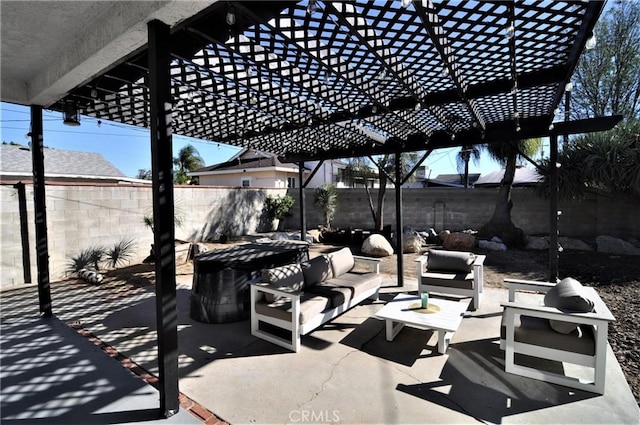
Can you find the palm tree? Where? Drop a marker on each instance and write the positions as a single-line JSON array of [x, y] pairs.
[[326, 200], [466, 154], [500, 224], [188, 159]]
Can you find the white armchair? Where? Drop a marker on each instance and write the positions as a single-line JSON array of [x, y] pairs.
[[452, 272], [534, 329]]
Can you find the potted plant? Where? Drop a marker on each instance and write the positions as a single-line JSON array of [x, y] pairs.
[[276, 208]]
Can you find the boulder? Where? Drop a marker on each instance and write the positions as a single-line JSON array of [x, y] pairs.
[[492, 245], [574, 244], [315, 234], [411, 243], [443, 235], [281, 236], [377, 245], [611, 245], [538, 243], [459, 241]]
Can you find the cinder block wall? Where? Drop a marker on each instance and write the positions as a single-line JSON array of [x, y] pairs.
[[83, 216], [459, 209]]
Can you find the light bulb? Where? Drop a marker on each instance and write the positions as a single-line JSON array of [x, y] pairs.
[[509, 32], [591, 42], [312, 7], [569, 86], [231, 16], [405, 3]]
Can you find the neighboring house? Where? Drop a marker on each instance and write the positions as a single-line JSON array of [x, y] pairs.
[[249, 168], [59, 165], [450, 180], [524, 177]]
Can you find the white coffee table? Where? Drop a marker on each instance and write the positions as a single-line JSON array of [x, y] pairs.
[[443, 316]]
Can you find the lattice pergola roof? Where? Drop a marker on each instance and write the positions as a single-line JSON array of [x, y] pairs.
[[335, 79]]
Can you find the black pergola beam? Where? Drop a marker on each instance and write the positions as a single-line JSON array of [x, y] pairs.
[[40, 211], [530, 128], [163, 217]]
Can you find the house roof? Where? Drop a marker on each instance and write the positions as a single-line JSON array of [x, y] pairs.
[[454, 180], [16, 160], [523, 177], [247, 159]]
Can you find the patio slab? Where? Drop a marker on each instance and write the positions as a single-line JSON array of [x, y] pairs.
[[346, 371]]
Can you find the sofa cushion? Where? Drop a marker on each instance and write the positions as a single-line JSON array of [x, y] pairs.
[[346, 287], [287, 276], [310, 306], [448, 279], [537, 331], [569, 295], [455, 261], [341, 261], [318, 269]]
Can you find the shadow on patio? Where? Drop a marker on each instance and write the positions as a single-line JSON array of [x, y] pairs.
[[345, 372]]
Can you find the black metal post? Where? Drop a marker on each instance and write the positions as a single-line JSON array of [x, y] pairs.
[[163, 216], [40, 210], [303, 213], [399, 242], [553, 208], [24, 231]]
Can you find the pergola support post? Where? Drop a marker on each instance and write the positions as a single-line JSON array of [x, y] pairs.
[[399, 225], [553, 208], [24, 231], [163, 216], [40, 210], [303, 212]]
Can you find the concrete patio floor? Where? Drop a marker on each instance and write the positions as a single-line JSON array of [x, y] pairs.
[[345, 372]]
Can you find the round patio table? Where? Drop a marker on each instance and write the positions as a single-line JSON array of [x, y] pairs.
[[220, 291]]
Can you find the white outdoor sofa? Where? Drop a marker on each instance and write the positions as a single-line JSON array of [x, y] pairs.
[[295, 299]]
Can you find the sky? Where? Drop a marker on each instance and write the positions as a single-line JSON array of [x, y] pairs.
[[128, 147]]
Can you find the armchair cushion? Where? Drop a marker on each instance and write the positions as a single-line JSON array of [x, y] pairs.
[[341, 261], [289, 275], [567, 295], [317, 270], [454, 261]]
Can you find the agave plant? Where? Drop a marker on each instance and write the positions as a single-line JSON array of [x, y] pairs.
[[121, 252], [87, 259]]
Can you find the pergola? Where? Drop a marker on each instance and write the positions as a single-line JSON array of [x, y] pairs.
[[317, 80]]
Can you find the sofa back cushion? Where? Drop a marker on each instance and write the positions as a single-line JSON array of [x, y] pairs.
[[341, 261], [317, 270], [452, 261], [289, 275], [567, 295]]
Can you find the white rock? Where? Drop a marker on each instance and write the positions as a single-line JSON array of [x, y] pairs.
[[377, 245], [611, 245], [537, 242], [492, 245]]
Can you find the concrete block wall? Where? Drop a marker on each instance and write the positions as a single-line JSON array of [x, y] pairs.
[[83, 216], [459, 209]]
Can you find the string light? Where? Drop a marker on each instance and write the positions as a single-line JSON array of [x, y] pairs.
[[405, 3], [509, 32], [312, 7], [231, 16], [591, 42]]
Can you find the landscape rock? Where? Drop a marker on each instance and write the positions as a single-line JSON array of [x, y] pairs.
[[315, 234], [459, 241], [281, 236], [296, 237], [574, 244], [443, 235], [492, 245], [537, 242], [611, 245], [411, 242], [377, 245]]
